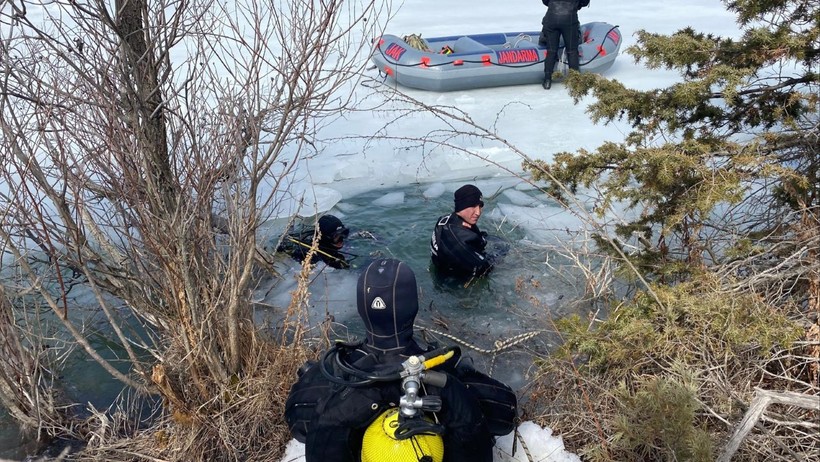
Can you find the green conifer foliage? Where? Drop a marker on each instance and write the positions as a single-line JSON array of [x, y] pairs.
[[728, 153], [717, 192], [658, 422]]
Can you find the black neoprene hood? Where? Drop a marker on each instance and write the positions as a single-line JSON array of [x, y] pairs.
[[387, 300], [331, 227]]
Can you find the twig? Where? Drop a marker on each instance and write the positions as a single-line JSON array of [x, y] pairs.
[[759, 404]]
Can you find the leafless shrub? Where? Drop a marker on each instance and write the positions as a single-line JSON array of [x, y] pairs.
[[27, 381], [144, 143]]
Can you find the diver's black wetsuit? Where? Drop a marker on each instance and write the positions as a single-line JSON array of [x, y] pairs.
[[331, 418], [457, 249], [561, 20], [297, 247], [330, 228]]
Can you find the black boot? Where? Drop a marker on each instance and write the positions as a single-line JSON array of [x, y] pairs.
[[547, 84]]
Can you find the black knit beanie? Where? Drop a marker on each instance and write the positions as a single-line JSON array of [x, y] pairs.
[[388, 302], [467, 196], [331, 227]]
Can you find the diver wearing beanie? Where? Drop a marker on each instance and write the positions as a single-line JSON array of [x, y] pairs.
[[458, 245], [332, 416], [332, 235]]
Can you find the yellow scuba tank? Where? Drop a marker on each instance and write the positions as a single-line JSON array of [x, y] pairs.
[[381, 445]]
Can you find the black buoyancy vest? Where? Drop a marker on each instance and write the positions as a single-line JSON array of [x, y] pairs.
[[312, 393], [498, 402], [458, 250]]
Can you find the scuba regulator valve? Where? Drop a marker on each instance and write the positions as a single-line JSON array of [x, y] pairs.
[[415, 370]]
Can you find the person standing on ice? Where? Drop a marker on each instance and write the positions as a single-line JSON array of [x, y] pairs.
[[458, 246], [561, 20]]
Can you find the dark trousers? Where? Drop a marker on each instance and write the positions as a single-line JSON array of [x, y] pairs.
[[555, 28]]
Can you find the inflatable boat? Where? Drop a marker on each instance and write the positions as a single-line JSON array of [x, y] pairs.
[[463, 62]]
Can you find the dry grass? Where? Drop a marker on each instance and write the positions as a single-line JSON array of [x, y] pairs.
[[244, 421], [623, 388]]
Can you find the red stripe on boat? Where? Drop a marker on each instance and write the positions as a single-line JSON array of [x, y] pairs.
[[614, 36], [458, 62]]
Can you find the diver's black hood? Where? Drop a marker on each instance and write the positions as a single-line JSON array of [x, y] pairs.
[[330, 227], [388, 302]]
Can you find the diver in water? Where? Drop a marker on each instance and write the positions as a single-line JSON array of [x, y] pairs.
[[458, 245], [332, 235], [354, 390]]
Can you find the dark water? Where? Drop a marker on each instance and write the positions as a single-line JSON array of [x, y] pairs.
[[519, 298], [13, 445], [80, 379]]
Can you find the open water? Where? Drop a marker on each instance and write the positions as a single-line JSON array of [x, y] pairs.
[[530, 285]]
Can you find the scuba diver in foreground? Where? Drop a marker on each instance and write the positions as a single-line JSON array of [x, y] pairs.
[[332, 235], [389, 399]]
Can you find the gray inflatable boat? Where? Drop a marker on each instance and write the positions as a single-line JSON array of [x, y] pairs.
[[463, 62]]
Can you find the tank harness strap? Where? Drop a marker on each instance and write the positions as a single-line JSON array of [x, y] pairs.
[[412, 427]]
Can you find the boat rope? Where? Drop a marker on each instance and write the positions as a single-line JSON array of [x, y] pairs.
[[308, 246], [464, 61], [600, 47], [523, 445], [500, 345], [470, 61]]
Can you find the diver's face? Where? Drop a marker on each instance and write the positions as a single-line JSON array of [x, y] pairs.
[[470, 215]]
